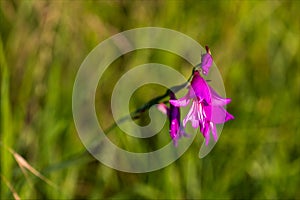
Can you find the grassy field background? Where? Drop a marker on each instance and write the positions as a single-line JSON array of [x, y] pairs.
[[255, 44]]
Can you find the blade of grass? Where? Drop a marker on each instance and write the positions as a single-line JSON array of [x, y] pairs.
[[11, 188], [24, 164], [6, 129]]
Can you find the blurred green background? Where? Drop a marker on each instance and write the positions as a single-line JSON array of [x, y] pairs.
[[255, 45]]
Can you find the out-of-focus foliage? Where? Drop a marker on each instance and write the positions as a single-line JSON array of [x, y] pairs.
[[255, 44]]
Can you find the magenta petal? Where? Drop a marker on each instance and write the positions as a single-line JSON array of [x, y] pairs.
[[220, 115], [195, 123], [206, 63], [229, 116], [220, 102], [208, 110], [201, 88], [184, 101], [217, 100], [192, 116], [174, 129]]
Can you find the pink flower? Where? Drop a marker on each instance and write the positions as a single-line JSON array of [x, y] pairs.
[[176, 129], [207, 107]]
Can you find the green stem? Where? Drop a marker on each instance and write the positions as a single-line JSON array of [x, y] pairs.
[[80, 158]]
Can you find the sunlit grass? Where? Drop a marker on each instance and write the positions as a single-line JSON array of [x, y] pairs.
[[255, 44]]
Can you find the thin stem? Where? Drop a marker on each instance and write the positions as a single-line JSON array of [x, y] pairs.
[[77, 158]]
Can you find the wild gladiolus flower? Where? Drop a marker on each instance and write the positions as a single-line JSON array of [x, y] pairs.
[[207, 107], [176, 129]]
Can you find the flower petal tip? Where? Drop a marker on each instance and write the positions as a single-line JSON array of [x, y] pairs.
[[229, 117], [162, 108], [179, 102]]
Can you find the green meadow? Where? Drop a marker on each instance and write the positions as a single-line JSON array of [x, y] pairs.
[[256, 46]]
